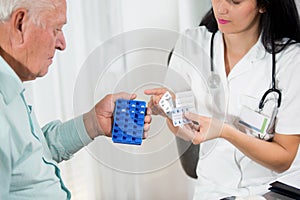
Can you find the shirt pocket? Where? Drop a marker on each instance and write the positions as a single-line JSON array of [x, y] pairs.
[[263, 117], [252, 102], [249, 101]]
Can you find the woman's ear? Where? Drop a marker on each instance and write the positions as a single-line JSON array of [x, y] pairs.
[[18, 20]]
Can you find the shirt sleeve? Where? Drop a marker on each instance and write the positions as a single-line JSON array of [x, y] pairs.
[[65, 139], [189, 68], [5, 159]]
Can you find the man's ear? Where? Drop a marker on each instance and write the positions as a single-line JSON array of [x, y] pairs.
[[18, 21]]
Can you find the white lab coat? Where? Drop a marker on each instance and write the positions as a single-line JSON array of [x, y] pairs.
[[222, 169]]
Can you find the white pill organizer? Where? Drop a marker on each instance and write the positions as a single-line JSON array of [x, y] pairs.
[[185, 99], [184, 102], [166, 103], [178, 116]]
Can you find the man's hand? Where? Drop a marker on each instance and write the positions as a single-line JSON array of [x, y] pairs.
[[99, 120]]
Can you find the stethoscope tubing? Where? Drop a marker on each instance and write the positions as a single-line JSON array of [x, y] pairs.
[[270, 90]]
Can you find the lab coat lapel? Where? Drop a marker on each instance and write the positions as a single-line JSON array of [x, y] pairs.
[[257, 52]]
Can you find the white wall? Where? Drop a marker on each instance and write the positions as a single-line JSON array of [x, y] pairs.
[[145, 14]]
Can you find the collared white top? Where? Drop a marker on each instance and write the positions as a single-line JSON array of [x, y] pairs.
[[222, 169]]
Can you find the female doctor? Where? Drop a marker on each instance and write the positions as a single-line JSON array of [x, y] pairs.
[[255, 54]]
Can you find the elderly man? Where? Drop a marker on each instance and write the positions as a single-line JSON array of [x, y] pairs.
[[30, 33]]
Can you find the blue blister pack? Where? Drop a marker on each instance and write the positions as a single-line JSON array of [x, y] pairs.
[[128, 125]]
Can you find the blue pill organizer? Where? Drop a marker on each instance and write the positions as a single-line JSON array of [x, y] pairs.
[[128, 125]]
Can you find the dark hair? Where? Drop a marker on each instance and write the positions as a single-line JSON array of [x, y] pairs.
[[280, 20]]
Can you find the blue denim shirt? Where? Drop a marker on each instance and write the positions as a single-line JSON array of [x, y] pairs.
[[28, 153]]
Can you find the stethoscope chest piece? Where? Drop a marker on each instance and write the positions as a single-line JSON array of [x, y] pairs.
[[213, 81]]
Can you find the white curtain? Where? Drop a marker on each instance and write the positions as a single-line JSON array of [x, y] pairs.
[[156, 172]]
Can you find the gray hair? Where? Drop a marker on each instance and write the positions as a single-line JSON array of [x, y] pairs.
[[34, 7]]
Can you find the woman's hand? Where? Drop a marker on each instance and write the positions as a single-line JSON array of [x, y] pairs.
[[153, 104], [200, 129]]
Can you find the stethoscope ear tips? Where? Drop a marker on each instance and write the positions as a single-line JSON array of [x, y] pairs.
[[213, 81]]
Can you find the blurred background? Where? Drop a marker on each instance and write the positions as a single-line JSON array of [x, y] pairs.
[[104, 170]]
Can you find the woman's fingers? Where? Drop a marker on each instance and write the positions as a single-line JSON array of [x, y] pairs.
[[192, 116], [155, 91]]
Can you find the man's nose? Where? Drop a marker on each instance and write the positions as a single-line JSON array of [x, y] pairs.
[[60, 41]]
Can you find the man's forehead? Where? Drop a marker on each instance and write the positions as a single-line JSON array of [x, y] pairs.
[[60, 11]]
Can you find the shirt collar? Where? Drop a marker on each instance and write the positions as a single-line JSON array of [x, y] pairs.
[[10, 84], [257, 52]]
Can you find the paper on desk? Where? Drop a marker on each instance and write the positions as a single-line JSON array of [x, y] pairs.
[[291, 179]]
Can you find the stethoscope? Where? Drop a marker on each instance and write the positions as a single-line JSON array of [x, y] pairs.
[[214, 79]]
